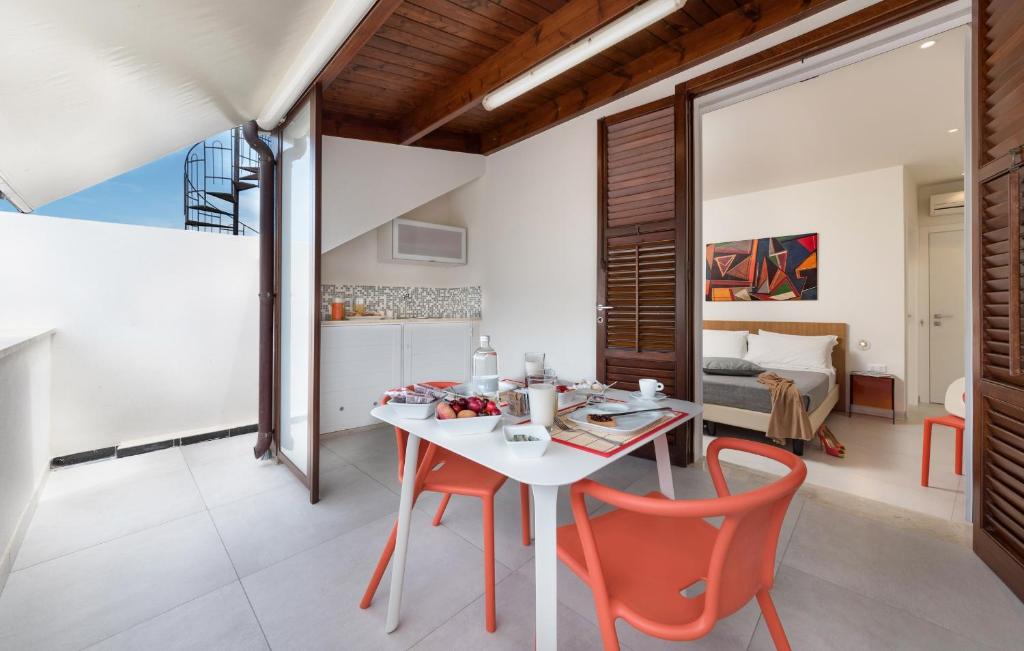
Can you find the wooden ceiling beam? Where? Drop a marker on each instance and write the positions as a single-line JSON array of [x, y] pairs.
[[559, 30], [360, 36], [343, 126], [752, 20]]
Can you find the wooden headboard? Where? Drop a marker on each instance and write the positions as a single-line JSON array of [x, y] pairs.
[[806, 329]]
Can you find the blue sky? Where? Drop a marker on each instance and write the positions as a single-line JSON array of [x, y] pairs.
[[150, 195]]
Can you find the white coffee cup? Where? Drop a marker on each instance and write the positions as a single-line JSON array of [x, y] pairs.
[[649, 387]]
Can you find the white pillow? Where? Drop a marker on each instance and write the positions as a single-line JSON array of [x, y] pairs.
[[725, 343], [773, 349]]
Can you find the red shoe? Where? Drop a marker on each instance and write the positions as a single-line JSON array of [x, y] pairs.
[[830, 444]]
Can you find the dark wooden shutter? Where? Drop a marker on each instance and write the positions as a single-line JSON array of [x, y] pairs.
[[644, 250], [998, 89]]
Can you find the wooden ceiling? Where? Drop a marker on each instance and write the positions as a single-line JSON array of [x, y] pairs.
[[415, 71]]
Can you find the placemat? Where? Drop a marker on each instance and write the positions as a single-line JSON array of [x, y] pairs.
[[605, 444]]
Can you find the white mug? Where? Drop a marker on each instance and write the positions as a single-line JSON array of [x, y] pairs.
[[648, 387]]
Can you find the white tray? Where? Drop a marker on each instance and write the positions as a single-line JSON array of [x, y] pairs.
[[623, 425]]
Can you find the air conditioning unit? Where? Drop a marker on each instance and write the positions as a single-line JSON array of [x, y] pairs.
[[948, 203]]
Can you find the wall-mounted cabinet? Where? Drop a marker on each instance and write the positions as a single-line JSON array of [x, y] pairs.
[[413, 242], [358, 362]]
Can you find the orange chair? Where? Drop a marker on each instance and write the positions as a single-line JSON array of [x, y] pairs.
[[647, 561], [443, 471], [956, 406]]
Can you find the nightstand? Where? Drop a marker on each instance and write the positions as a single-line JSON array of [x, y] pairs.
[[875, 390]]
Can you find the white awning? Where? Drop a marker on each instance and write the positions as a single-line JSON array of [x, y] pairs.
[[92, 89]]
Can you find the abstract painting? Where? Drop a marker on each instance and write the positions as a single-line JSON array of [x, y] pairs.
[[766, 269]]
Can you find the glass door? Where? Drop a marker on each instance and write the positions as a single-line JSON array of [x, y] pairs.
[[298, 294]]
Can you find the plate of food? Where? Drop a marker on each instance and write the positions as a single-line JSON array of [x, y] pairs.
[[610, 417]]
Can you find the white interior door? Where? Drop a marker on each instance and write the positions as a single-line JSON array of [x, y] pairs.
[[945, 311]]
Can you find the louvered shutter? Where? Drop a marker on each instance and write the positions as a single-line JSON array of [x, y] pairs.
[[998, 82], [644, 252]]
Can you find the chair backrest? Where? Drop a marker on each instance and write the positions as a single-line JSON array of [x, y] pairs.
[[742, 562], [956, 403], [402, 436]]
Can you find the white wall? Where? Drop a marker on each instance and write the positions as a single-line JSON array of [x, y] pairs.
[[356, 262], [368, 183], [156, 328], [24, 438], [860, 224]]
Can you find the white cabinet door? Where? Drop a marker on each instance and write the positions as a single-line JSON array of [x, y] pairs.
[[357, 364], [437, 352]]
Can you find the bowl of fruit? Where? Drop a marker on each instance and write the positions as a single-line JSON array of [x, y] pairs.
[[472, 415]]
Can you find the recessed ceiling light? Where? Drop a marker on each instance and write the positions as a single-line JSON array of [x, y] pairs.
[[952, 130], [927, 44]]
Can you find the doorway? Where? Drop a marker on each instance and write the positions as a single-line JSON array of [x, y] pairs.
[[778, 192]]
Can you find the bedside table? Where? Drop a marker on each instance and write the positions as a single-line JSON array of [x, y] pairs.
[[875, 390]]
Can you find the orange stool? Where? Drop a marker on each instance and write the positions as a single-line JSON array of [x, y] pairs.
[[647, 561], [443, 471], [948, 420]]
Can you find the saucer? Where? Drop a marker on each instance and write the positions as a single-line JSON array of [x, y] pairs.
[[639, 396]]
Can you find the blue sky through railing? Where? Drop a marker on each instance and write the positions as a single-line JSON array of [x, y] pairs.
[[150, 195]]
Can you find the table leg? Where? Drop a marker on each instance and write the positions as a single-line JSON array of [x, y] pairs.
[[412, 453], [545, 499], [664, 463]]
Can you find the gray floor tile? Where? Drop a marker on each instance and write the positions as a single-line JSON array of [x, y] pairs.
[[942, 582], [221, 620], [310, 601], [266, 528], [71, 520], [515, 614], [817, 614], [85, 597]]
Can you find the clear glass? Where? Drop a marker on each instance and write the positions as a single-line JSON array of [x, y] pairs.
[[534, 363], [297, 291], [485, 367]]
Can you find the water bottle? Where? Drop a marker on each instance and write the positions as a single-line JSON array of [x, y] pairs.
[[485, 367]]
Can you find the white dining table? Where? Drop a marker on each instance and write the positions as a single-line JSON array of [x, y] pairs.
[[561, 465]]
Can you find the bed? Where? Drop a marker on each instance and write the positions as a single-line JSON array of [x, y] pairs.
[[744, 402]]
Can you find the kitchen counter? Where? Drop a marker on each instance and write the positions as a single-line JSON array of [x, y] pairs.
[[363, 322]]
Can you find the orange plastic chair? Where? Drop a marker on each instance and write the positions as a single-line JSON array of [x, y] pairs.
[[442, 471], [955, 406], [647, 561]]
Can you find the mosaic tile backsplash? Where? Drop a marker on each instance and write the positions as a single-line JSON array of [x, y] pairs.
[[410, 302]]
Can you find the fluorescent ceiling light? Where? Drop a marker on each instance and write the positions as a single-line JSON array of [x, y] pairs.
[[927, 44], [643, 16]]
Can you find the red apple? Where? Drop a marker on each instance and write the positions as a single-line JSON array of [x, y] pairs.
[[492, 409], [476, 404], [459, 404]]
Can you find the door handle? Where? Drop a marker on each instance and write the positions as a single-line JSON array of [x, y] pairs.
[[602, 308], [942, 316]]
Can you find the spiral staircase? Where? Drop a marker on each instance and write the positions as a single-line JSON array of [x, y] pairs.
[[216, 173]]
